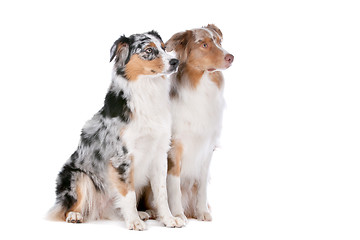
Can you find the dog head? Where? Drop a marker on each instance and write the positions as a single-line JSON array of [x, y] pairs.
[[141, 54], [201, 48]]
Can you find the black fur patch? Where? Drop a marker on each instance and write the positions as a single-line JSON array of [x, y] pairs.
[[74, 156], [64, 180], [98, 155], [155, 34], [63, 184], [120, 71], [68, 201], [125, 150], [116, 106], [123, 168], [113, 51]]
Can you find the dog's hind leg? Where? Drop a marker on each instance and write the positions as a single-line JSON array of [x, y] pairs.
[[84, 200], [75, 193]]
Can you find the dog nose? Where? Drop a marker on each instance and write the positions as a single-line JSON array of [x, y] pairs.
[[229, 58], [174, 62]]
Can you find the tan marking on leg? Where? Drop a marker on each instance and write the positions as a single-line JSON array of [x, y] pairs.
[[131, 176], [121, 186], [174, 158], [115, 180], [195, 189]]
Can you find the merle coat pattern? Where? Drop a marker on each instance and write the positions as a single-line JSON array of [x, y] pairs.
[[115, 159]]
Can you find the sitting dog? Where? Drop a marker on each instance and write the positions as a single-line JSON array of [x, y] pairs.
[[197, 105], [123, 148]]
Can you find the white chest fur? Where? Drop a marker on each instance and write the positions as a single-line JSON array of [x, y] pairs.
[[148, 134], [197, 119]]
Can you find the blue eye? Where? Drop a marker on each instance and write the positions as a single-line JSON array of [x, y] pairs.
[[149, 50]]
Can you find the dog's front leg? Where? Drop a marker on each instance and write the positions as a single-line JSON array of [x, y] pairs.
[[127, 204], [158, 185], [175, 156], [121, 176], [202, 210], [174, 195]]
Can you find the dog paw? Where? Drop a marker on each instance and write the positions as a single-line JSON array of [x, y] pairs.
[[151, 213], [182, 217], [74, 217], [144, 215], [136, 224], [173, 222], [204, 216]]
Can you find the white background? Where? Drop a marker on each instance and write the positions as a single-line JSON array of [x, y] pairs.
[[289, 163]]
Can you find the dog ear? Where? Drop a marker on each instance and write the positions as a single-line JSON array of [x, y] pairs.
[[120, 50], [180, 43], [215, 29]]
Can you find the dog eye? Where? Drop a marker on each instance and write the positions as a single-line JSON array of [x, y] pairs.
[[149, 50], [205, 45]]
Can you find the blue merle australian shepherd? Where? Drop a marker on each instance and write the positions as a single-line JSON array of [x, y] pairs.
[[123, 148]]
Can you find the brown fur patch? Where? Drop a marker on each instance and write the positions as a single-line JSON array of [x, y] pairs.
[[138, 66], [195, 189], [175, 157], [131, 177], [217, 78], [194, 75], [179, 42], [121, 186], [215, 29], [115, 179], [151, 45], [200, 34]]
